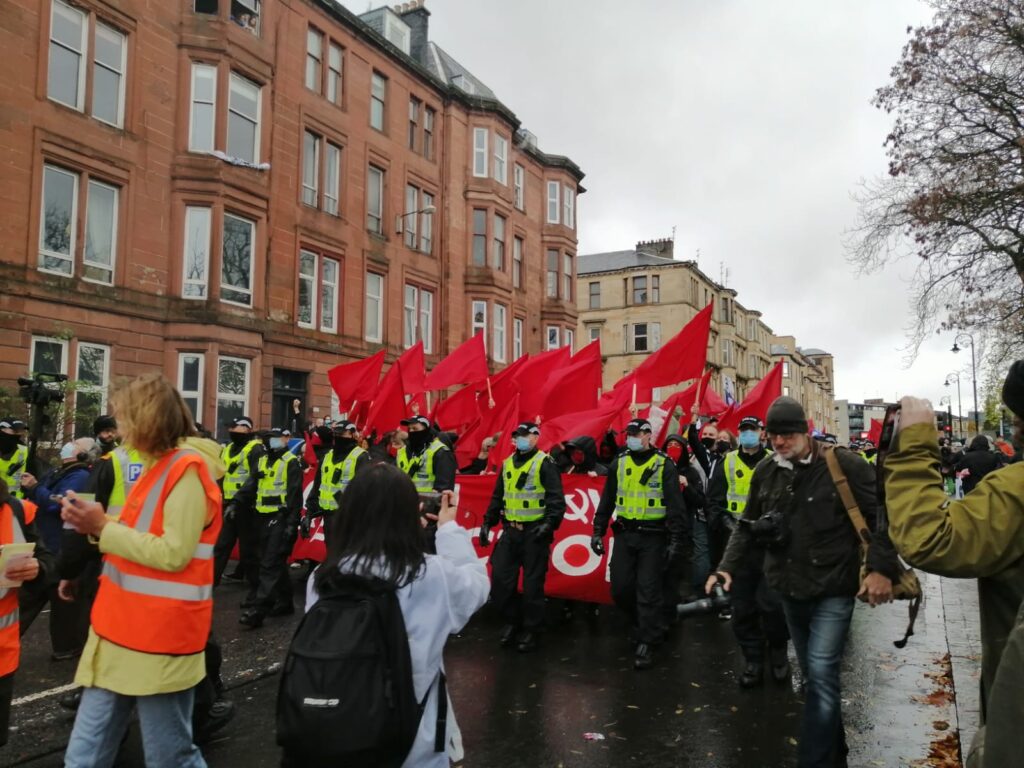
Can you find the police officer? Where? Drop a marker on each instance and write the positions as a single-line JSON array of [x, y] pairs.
[[240, 456], [529, 501], [13, 455], [757, 615], [425, 458], [104, 431], [650, 531], [337, 468], [276, 492]]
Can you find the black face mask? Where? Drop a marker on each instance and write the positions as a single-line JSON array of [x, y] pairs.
[[708, 443], [722, 446], [8, 442], [419, 440], [344, 444], [239, 439]]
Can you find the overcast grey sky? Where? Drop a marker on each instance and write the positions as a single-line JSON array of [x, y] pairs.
[[745, 124]]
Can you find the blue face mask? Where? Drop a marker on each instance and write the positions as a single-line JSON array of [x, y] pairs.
[[277, 443], [634, 443], [522, 443], [749, 438]]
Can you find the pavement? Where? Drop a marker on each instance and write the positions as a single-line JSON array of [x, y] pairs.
[[901, 707]]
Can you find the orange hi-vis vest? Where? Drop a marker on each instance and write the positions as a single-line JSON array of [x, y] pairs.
[[11, 533], [146, 609]]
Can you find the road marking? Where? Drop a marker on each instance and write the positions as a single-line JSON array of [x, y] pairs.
[[45, 694]]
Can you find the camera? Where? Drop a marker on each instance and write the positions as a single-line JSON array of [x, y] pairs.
[[770, 530], [42, 389], [430, 503], [718, 601]]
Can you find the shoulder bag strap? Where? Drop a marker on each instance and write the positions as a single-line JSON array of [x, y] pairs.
[[852, 509]]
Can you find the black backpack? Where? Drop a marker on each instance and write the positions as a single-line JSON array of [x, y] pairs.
[[346, 696]]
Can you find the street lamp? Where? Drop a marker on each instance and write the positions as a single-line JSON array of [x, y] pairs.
[[974, 377], [400, 218], [959, 403]]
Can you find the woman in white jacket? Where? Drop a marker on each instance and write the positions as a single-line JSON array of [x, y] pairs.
[[377, 532]]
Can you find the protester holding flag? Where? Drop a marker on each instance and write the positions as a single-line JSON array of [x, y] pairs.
[[693, 485], [529, 502], [650, 529], [336, 470]]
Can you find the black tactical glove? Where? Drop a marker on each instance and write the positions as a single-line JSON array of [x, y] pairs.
[[229, 512], [304, 527], [542, 531], [485, 535], [597, 543]]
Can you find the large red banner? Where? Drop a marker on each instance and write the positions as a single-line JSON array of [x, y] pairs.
[[574, 572]]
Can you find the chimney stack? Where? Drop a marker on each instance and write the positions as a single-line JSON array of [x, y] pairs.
[[663, 248], [416, 16]]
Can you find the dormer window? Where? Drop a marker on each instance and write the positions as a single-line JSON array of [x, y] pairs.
[[397, 32]]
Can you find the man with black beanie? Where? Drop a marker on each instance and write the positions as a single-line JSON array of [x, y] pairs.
[[812, 558], [980, 536], [104, 430]]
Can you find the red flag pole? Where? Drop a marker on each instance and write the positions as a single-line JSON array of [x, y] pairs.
[[490, 395], [700, 381], [632, 403]]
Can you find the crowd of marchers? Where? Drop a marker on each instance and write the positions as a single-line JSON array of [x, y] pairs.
[[136, 525]]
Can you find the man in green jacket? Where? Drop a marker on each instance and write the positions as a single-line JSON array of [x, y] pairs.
[[980, 536]]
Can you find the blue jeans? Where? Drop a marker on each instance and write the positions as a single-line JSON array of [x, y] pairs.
[[819, 629], [165, 720]]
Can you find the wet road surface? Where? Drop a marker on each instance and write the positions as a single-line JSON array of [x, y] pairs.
[[519, 711]]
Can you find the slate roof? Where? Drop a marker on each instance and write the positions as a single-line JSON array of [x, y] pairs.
[[615, 260]]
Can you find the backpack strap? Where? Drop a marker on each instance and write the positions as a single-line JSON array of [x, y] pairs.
[[860, 525], [442, 714]]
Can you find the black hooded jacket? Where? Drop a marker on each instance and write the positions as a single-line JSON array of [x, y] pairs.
[[586, 444], [978, 461], [694, 493]]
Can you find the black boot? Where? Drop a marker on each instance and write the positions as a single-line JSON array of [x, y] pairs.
[[251, 619], [780, 664], [753, 675], [508, 635], [527, 642], [644, 658]]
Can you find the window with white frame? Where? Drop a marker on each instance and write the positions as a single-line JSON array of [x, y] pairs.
[[314, 59], [479, 237], [498, 244], [500, 159], [726, 351], [310, 168], [243, 119], [48, 355], [204, 108], [246, 13], [655, 289], [108, 75], [418, 317], [91, 381], [100, 233], [196, 258], [58, 225], [785, 369], [232, 389], [480, 152], [569, 207], [785, 391], [517, 262], [374, 325], [190, 382], [499, 344], [427, 223], [570, 339], [318, 291], [641, 340], [519, 186], [378, 100], [479, 319], [428, 133], [551, 283], [415, 107], [69, 28], [554, 189], [411, 218], [375, 199], [593, 332], [517, 338], [236, 278], [595, 295], [567, 276], [332, 179], [335, 73], [553, 336]]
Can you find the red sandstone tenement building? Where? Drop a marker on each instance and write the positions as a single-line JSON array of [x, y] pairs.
[[243, 194]]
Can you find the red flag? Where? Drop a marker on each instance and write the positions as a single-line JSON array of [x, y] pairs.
[[505, 383], [308, 454], [457, 410], [684, 400], [413, 370], [711, 403], [356, 381], [875, 433], [466, 364], [757, 400], [574, 387], [533, 375], [506, 420], [635, 392], [594, 423], [388, 406], [682, 357]]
